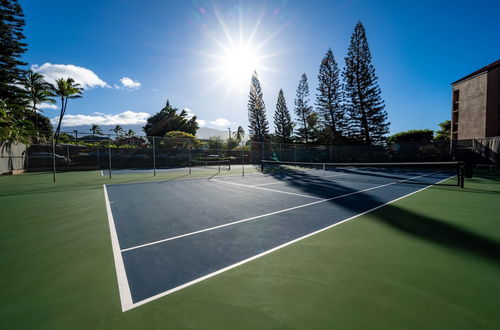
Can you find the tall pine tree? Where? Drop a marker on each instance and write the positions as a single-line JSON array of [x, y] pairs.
[[283, 125], [302, 109], [329, 98], [258, 125], [363, 96], [11, 49]]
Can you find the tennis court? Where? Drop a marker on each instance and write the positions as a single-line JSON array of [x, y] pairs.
[[167, 235]]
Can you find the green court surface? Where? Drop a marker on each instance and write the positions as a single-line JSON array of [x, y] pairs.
[[428, 261]]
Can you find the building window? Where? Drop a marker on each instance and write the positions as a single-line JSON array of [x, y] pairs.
[[456, 97]]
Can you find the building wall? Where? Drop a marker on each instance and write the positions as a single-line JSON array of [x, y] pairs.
[[471, 108], [12, 157], [493, 103]]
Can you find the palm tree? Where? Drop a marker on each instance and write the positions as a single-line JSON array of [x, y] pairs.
[[96, 129], [14, 125], [130, 133], [239, 134], [37, 91], [118, 131], [65, 89]]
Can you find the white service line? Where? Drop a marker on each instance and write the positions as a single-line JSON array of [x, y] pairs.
[[267, 214], [182, 286], [277, 191]]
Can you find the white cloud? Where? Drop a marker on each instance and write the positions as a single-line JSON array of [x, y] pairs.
[[156, 90], [190, 113], [85, 77], [47, 106], [124, 118], [130, 83], [221, 122]]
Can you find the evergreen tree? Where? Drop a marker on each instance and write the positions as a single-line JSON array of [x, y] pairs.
[[258, 126], [302, 109], [168, 120], [283, 125], [11, 49], [329, 98], [363, 96]]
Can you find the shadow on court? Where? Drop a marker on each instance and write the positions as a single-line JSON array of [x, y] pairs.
[[416, 224]]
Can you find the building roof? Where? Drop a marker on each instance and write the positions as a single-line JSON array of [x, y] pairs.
[[475, 73]]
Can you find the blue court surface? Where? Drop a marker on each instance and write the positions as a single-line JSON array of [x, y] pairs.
[[171, 234]]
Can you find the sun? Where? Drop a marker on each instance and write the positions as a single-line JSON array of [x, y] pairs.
[[238, 46], [239, 62]]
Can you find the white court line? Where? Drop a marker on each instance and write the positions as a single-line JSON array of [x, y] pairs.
[[265, 215], [121, 275], [298, 179], [254, 187], [180, 287]]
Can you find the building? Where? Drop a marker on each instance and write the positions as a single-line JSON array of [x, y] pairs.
[[476, 104], [132, 141]]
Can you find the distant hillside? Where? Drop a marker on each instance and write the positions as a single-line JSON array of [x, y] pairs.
[[203, 132], [206, 133]]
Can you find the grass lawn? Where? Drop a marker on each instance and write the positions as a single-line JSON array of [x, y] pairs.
[[428, 261]]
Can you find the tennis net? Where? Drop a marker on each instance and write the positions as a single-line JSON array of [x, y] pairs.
[[425, 173], [218, 165]]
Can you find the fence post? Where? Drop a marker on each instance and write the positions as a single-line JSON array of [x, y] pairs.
[[154, 158], [242, 160], [109, 154], [53, 158], [295, 152], [67, 156], [189, 156]]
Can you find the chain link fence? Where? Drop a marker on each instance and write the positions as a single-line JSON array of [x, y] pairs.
[[111, 152]]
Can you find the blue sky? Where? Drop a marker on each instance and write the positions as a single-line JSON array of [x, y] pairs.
[[133, 55]]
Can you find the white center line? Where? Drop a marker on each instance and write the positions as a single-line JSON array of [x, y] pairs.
[[271, 213], [298, 179], [267, 189]]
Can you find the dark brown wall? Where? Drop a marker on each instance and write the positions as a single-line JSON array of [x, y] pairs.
[[471, 107], [493, 103]]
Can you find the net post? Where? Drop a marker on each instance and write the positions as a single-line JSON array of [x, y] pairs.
[[154, 158], [109, 154], [462, 175], [261, 166], [219, 166], [53, 158], [229, 163]]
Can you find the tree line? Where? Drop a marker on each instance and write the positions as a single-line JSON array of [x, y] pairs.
[[348, 108], [23, 91]]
